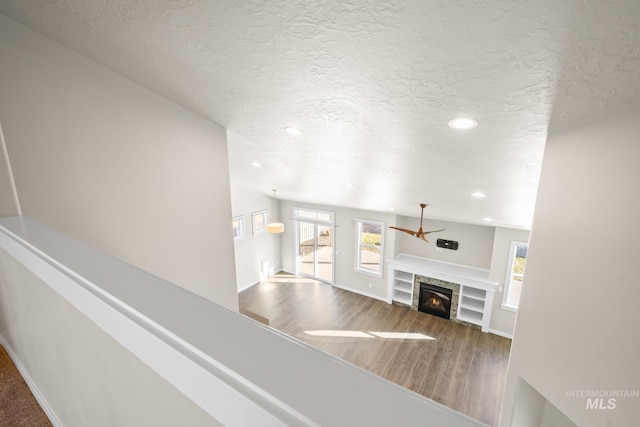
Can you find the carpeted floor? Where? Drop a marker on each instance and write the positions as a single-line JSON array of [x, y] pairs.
[[18, 407]]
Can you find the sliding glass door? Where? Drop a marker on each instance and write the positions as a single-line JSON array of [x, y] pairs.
[[314, 244], [306, 248]]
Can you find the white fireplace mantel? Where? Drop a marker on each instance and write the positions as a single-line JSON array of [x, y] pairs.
[[476, 290]]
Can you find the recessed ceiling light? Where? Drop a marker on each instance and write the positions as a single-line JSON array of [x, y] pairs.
[[463, 123], [348, 185], [488, 219], [255, 164], [478, 194], [293, 131]]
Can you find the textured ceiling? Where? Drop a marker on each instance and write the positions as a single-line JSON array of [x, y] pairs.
[[372, 84]]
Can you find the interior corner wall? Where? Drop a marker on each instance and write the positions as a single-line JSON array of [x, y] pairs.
[[578, 320], [475, 241], [255, 249], [115, 165]]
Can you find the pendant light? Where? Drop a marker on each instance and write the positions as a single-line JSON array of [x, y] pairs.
[[275, 227]]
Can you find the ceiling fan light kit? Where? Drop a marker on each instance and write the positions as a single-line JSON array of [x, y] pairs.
[[420, 234]]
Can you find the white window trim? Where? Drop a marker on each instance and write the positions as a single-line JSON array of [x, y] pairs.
[[265, 213], [241, 226], [507, 280], [316, 222], [358, 228], [296, 217]]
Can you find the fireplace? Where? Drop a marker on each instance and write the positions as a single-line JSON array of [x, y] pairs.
[[435, 300]]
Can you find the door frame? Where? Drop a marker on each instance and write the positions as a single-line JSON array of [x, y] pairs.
[[296, 241]]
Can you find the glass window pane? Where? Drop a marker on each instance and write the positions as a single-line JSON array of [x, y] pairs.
[[238, 227], [515, 276], [369, 250]]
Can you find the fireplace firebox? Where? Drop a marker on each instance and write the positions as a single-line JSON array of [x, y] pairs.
[[435, 300]]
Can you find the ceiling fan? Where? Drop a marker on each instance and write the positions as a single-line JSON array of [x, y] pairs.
[[419, 234]]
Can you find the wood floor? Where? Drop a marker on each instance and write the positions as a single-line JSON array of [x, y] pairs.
[[462, 367]]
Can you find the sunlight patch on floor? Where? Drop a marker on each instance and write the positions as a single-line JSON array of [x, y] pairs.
[[350, 334], [402, 335], [362, 334], [288, 279]]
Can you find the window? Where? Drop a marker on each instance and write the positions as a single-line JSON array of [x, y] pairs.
[[369, 246], [313, 214], [238, 227], [259, 221], [515, 274]]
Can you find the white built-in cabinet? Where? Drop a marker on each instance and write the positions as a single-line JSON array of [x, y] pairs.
[[471, 306], [476, 290], [402, 286]]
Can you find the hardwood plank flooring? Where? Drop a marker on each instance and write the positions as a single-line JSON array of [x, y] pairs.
[[461, 367]]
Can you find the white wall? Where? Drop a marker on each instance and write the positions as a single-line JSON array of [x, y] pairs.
[[251, 251], [475, 241], [503, 320], [113, 164], [578, 322], [87, 378], [345, 246]]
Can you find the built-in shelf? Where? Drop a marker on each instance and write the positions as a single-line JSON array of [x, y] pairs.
[[402, 286], [476, 290], [403, 276], [471, 303], [470, 316], [476, 293]]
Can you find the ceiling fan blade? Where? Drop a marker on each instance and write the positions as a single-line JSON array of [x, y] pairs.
[[434, 231], [413, 233], [419, 234]]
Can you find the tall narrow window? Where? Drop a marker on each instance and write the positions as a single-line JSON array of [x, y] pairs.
[[369, 246], [515, 275], [238, 227]]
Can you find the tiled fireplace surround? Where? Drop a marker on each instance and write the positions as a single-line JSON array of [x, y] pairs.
[[443, 284]]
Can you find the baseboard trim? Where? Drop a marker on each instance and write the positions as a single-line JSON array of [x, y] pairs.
[[31, 384], [358, 291], [500, 333], [251, 285]]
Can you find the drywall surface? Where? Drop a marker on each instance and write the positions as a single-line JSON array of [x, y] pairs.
[[253, 250], [113, 164], [87, 378], [475, 241], [578, 320]]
